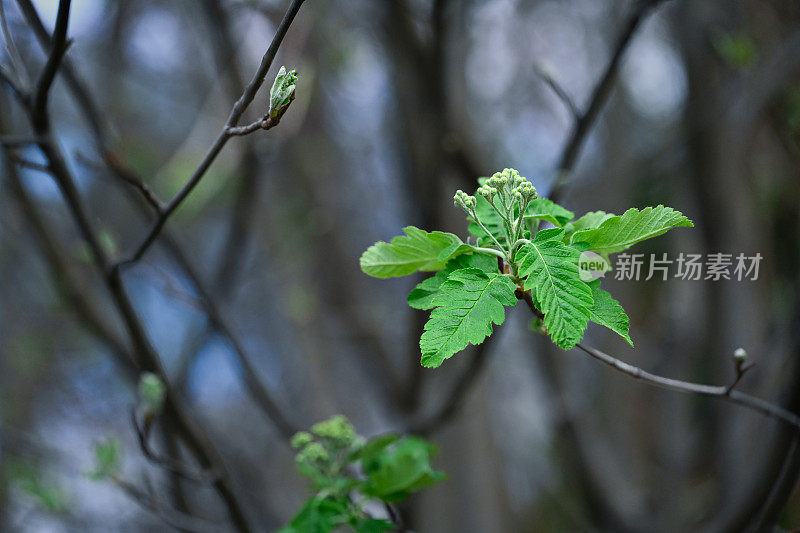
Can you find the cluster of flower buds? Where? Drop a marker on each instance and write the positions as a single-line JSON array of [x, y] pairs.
[[464, 201], [510, 185]]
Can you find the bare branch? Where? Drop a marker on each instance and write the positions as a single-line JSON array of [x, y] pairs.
[[559, 91], [167, 463], [238, 109], [25, 163], [258, 392], [599, 97], [173, 517], [59, 47], [17, 65], [687, 387]]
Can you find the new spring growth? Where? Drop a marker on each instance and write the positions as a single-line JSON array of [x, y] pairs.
[[282, 92], [739, 355], [151, 394]]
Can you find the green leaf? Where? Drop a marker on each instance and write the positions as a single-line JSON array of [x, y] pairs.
[[319, 515], [106, 458], [406, 254], [454, 250], [373, 525], [467, 305], [553, 277], [621, 232], [608, 312], [280, 95], [590, 220], [544, 209], [400, 469], [374, 446], [421, 297]]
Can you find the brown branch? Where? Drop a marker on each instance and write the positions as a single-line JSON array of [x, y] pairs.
[[599, 97], [261, 396], [59, 271], [722, 392], [58, 48], [167, 463], [238, 109], [147, 358], [558, 90], [177, 519]]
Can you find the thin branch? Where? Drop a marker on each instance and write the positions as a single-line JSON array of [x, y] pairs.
[[258, 392], [722, 392], [15, 141], [25, 163], [58, 49], [147, 358], [558, 90], [7, 78], [131, 178], [599, 97], [167, 463], [238, 109], [177, 519], [60, 273], [17, 64]]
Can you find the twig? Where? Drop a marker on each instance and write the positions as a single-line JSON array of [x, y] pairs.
[[17, 64], [173, 517], [131, 178], [261, 396], [598, 98], [15, 141], [169, 464], [147, 358], [59, 47], [558, 90], [238, 109], [715, 391], [7, 78], [25, 163]]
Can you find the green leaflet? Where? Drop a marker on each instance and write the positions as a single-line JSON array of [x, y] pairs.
[[406, 254], [544, 209], [608, 312], [621, 232], [556, 285], [590, 220], [467, 305], [421, 296]]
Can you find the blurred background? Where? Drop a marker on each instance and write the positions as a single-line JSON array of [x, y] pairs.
[[399, 103]]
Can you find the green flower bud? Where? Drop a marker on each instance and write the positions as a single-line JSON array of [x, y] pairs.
[[301, 439], [336, 429], [313, 453], [739, 355], [152, 393]]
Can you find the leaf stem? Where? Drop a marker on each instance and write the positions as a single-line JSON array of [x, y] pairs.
[[491, 251]]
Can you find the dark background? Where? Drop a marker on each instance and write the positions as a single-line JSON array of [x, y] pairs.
[[399, 103]]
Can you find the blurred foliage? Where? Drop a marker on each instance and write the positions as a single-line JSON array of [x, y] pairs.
[[31, 480], [106, 459], [737, 49], [392, 468]]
